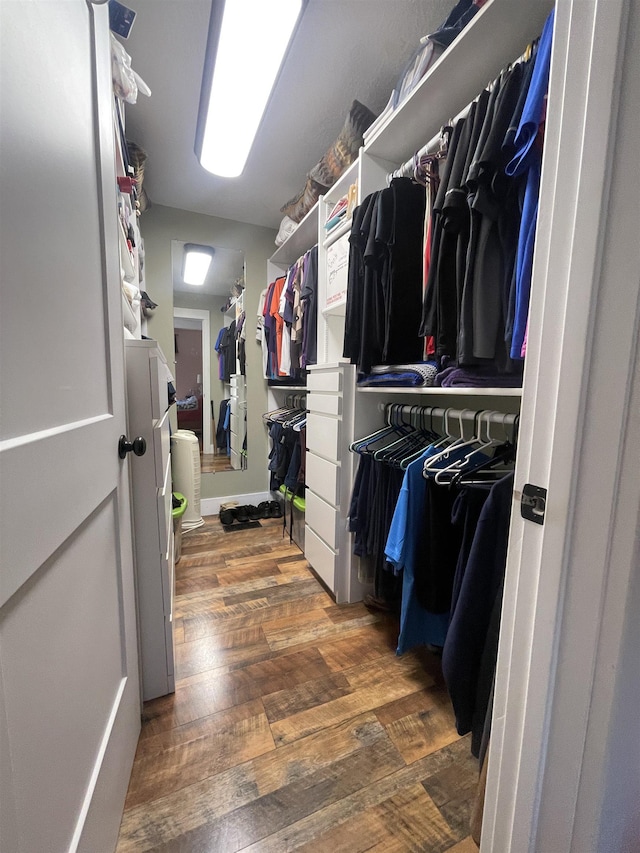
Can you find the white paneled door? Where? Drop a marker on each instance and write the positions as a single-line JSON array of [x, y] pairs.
[[69, 692]]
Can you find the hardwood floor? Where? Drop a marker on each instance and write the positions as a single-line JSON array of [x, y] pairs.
[[212, 462], [294, 726]]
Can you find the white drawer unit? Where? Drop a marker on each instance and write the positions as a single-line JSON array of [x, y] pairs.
[[323, 477], [322, 518], [323, 436], [328, 404], [147, 399], [324, 381], [321, 557]]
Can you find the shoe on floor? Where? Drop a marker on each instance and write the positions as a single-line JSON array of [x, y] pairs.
[[242, 513], [254, 512], [227, 516], [263, 508], [275, 510]]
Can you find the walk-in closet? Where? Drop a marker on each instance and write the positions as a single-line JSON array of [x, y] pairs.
[[323, 379]]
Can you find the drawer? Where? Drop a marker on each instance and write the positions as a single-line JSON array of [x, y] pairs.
[[159, 389], [329, 381], [161, 449], [237, 407], [235, 442], [322, 518], [235, 460], [321, 557], [323, 436], [328, 404], [236, 422], [237, 381], [323, 477]]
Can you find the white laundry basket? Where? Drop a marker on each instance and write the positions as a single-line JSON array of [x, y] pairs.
[[185, 472]]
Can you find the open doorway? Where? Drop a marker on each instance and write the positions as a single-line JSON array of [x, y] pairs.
[[193, 381]]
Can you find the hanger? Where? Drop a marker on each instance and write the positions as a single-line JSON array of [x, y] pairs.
[[391, 428]]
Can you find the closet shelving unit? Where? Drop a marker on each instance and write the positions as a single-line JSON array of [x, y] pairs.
[[339, 411], [131, 267]]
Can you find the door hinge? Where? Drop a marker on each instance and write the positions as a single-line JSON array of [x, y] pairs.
[[533, 503]]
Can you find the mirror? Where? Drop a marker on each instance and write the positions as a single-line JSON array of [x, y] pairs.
[[209, 328]]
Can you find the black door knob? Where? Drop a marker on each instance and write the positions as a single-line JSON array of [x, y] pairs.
[[138, 446]]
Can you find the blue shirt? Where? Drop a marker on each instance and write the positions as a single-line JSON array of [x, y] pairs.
[[527, 160]]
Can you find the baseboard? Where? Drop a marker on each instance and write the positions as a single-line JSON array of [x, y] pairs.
[[211, 506]]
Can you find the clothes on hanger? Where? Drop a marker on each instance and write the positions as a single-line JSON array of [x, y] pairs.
[[385, 277], [289, 318]]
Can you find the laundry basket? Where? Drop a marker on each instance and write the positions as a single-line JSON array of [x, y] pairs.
[[179, 508]]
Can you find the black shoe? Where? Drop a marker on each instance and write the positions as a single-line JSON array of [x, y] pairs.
[[227, 516], [264, 509], [254, 512], [242, 513], [275, 510]]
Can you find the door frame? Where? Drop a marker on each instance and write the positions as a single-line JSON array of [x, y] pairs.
[[202, 317], [571, 585]]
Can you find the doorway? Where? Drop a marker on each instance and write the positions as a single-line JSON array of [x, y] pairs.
[[193, 375]]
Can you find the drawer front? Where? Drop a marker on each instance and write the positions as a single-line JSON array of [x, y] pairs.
[[235, 422], [237, 407], [330, 381], [328, 404], [159, 389], [235, 459], [322, 518], [323, 436], [161, 448], [323, 477], [321, 557], [235, 442]]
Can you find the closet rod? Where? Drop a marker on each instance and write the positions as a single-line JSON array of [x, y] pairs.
[[407, 169], [404, 411]]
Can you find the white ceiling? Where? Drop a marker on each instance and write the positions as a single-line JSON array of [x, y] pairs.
[[343, 50]]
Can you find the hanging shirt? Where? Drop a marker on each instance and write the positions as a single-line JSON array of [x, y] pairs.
[[417, 625], [527, 160]]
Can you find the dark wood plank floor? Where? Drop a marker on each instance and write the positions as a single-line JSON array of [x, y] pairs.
[[294, 726]]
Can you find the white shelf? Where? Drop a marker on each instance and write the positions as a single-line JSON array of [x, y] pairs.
[[336, 233], [341, 186], [481, 51], [303, 238], [439, 391]]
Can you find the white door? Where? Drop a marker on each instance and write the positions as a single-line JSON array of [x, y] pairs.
[[69, 694], [564, 763]]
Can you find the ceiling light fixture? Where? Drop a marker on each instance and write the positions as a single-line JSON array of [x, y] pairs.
[[195, 265], [253, 39]]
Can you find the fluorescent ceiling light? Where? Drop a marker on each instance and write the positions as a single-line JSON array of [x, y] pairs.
[[196, 263], [253, 40]]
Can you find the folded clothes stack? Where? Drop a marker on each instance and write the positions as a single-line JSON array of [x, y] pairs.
[[411, 375]]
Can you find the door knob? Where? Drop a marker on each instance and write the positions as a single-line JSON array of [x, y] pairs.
[[138, 446]]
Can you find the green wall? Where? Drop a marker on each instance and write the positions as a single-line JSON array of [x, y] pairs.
[[159, 226]]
